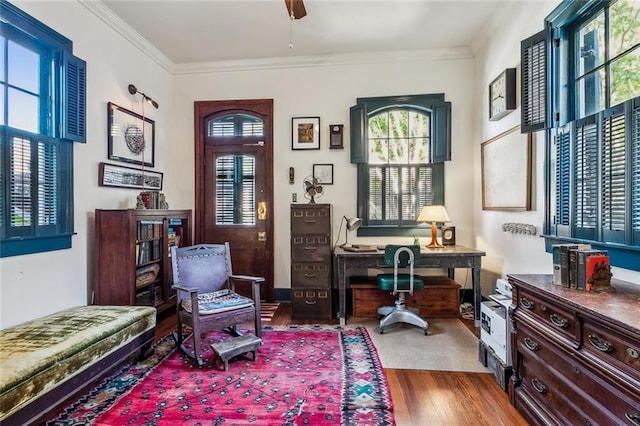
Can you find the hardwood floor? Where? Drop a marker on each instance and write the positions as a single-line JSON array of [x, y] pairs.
[[428, 397]]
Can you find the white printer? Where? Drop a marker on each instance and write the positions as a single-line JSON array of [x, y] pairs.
[[495, 325]]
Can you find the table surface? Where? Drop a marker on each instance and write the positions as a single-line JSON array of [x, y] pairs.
[[445, 251], [448, 257]]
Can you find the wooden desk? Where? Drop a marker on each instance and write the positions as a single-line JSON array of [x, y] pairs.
[[449, 257]]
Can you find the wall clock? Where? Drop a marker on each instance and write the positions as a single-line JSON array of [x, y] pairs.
[[502, 94]]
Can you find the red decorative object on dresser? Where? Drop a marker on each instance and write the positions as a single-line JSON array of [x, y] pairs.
[[576, 355]]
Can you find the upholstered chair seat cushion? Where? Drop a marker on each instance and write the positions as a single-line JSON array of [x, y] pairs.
[[218, 301], [385, 282]]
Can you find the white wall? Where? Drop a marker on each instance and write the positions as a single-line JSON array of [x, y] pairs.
[[328, 91], [39, 284], [497, 49]]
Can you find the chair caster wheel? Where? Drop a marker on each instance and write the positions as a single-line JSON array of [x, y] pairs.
[[381, 331], [426, 332]]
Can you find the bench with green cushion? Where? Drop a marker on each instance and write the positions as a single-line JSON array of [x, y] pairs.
[[46, 361]]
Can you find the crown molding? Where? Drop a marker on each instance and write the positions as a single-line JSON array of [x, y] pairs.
[[324, 60], [121, 27]]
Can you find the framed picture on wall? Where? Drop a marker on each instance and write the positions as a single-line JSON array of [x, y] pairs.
[[324, 173], [128, 177], [506, 171], [130, 136], [305, 133]]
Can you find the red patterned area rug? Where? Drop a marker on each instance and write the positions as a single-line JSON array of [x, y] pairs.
[[303, 375]]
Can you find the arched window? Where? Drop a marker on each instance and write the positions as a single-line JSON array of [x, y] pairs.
[[235, 125], [399, 145]]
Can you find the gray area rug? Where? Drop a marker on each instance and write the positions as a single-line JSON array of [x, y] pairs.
[[449, 346]]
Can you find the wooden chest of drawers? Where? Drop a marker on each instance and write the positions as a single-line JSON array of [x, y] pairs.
[[576, 354], [311, 261]]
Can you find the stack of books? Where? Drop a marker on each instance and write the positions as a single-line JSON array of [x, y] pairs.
[[580, 266]]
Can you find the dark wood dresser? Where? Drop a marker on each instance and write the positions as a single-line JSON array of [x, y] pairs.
[[576, 355], [311, 261]]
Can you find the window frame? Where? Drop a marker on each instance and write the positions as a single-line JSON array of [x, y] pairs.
[[562, 169], [440, 151], [62, 121]]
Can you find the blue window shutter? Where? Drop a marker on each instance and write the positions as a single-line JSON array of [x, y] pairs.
[[614, 175], [74, 88], [533, 82], [562, 214], [358, 134], [586, 179], [441, 144], [563, 182], [635, 172]]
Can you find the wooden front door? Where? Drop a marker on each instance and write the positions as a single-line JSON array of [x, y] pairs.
[[234, 183]]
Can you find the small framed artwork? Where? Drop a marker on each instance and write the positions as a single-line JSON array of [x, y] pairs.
[[324, 173], [131, 137], [305, 133], [128, 177], [335, 136]]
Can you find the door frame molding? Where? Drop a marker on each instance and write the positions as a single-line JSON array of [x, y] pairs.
[[203, 109]]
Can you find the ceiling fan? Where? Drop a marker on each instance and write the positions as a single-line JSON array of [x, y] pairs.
[[295, 8]]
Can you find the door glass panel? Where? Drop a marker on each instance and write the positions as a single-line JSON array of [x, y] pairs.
[[236, 125], [235, 185]]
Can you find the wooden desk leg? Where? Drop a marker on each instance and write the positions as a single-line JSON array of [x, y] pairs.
[[342, 293], [477, 293]]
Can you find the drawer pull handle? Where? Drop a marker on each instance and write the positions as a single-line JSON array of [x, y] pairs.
[[310, 221], [633, 418], [526, 303], [530, 344], [310, 275], [633, 353], [559, 321], [599, 344], [311, 248], [310, 302], [539, 387]]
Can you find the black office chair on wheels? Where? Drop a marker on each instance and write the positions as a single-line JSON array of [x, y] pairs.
[[401, 283]]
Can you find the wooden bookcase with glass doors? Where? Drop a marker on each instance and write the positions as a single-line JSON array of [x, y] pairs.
[[132, 256]]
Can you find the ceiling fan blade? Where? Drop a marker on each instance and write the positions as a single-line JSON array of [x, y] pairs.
[[298, 8]]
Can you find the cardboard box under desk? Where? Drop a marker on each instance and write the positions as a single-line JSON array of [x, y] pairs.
[[440, 297]]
